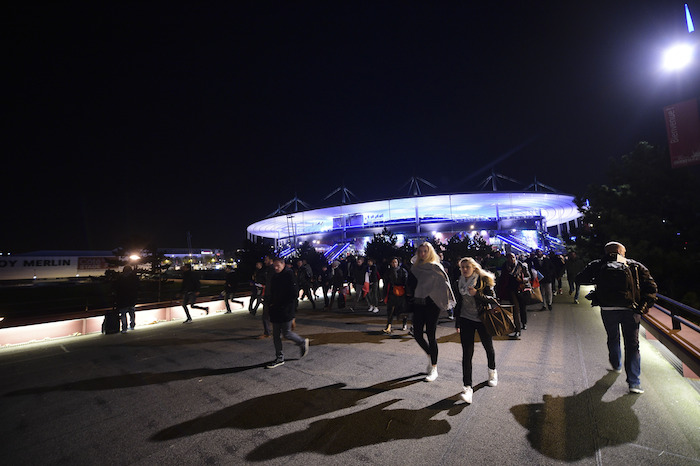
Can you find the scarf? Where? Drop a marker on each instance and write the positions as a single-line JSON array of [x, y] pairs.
[[433, 282]]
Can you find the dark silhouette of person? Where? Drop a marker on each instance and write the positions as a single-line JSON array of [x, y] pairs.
[[125, 295], [190, 290]]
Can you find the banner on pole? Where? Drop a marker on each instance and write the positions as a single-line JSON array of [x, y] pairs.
[[683, 130]]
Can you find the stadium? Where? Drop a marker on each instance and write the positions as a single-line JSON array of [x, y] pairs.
[[509, 220]]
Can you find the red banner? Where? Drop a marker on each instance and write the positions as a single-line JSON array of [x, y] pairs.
[[683, 130]]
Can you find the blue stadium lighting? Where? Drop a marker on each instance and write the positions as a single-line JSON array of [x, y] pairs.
[[400, 214], [689, 19]]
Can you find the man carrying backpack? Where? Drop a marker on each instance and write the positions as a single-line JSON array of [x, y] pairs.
[[624, 291]]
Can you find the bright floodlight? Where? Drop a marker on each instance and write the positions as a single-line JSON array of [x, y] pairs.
[[678, 57], [134, 257]]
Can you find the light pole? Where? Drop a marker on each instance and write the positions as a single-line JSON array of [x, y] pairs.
[[682, 120]]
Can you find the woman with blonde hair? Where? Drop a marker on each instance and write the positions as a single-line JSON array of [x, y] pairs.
[[474, 293], [431, 294]]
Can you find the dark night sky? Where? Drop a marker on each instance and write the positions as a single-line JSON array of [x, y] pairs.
[[155, 119]]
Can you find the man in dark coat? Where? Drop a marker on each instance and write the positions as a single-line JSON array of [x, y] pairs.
[[283, 304]]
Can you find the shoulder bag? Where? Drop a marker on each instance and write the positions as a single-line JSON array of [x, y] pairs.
[[498, 321]]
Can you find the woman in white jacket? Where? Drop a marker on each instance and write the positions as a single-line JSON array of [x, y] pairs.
[[431, 295]]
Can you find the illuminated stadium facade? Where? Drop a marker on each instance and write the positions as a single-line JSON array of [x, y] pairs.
[[520, 221]]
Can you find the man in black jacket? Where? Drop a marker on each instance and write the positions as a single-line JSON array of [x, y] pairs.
[[283, 304], [624, 291]]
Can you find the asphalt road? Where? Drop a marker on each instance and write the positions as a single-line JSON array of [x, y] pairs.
[[199, 394]]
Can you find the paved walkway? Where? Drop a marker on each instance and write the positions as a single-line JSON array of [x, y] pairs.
[[199, 394]]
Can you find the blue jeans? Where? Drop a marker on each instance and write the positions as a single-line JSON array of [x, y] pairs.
[[629, 321], [284, 329]]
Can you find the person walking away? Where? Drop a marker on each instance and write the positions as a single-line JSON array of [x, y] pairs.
[[396, 278], [558, 261], [337, 281], [257, 285], [125, 296], [358, 277], [432, 294], [372, 275], [325, 279], [574, 266], [229, 288], [546, 267], [624, 290], [304, 279], [190, 290], [515, 278], [283, 302], [474, 295]]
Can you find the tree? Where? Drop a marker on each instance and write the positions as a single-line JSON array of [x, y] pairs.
[[458, 248], [653, 210], [251, 253], [382, 247]]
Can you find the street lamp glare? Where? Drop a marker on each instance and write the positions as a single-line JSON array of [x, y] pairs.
[[134, 257], [678, 57]]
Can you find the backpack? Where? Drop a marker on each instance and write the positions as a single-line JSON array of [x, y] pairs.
[[615, 285]]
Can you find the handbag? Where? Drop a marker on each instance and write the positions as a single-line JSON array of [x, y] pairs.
[[533, 296], [498, 321]]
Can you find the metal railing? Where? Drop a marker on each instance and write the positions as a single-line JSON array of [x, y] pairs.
[[681, 337], [672, 311]]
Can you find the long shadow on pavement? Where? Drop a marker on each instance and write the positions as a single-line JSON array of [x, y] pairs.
[[368, 336], [134, 380], [281, 408], [573, 427], [369, 426]]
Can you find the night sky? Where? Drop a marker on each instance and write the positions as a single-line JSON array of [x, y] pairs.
[[149, 120]]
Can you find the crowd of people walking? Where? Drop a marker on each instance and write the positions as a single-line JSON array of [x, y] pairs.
[[426, 287]]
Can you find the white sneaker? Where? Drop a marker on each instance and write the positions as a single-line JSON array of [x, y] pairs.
[[375, 310], [466, 394], [493, 378], [432, 375]]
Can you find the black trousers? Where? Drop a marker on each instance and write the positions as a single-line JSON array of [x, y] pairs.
[[425, 317], [467, 329]]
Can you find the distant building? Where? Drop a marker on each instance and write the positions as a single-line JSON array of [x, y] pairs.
[[55, 264], [44, 265], [201, 259]]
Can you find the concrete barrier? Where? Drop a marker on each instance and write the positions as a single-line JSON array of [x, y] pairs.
[[93, 324]]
